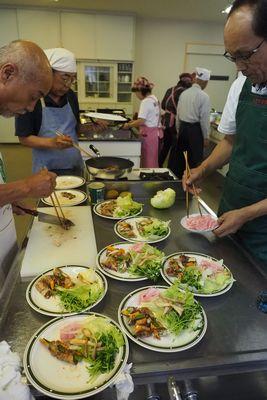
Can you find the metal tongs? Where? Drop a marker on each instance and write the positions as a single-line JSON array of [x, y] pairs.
[[188, 173]]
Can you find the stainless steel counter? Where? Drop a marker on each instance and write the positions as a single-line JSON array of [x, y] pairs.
[[236, 339]]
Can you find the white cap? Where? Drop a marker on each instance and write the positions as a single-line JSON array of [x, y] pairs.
[[203, 74], [61, 60]]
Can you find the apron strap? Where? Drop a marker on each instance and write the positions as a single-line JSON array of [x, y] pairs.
[[42, 102]]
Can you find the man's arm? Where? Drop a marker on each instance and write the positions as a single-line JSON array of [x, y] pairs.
[[37, 185], [38, 142]]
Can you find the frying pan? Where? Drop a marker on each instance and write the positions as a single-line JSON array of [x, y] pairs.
[[107, 167]]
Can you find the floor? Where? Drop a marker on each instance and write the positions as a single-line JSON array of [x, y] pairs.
[[234, 387]]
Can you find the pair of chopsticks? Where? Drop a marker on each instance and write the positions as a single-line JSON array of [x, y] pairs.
[[188, 173], [62, 219], [58, 133]]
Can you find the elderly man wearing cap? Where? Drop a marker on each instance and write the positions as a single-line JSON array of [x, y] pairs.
[[192, 124], [58, 111]]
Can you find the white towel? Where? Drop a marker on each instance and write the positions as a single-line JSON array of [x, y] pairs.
[[11, 385], [124, 383]]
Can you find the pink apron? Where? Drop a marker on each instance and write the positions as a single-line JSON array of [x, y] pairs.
[[150, 144]]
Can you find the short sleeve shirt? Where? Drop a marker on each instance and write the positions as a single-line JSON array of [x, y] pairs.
[[150, 111]]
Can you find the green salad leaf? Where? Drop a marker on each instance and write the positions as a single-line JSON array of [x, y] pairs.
[[146, 261], [79, 297], [126, 206]]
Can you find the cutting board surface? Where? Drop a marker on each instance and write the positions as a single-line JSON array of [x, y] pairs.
[[50, 245]]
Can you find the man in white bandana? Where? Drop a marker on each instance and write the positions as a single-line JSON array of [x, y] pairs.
[[58, 111], [192, 123]]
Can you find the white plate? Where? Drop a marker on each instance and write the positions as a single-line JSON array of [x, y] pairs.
[[183, 223], [168, 343], [138, 238], [79, 198], [108, 117], [120, 276], [52, 306], [69, 182], [58, 379], [170, 279], [97, 211]]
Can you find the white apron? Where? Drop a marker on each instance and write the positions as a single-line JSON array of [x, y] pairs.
[[8, 237]]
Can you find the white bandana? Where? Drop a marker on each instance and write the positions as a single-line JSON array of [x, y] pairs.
[[61, 60], [203, 74]]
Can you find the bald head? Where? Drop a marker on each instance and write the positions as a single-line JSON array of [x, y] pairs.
[[248, 48], [25, 76]]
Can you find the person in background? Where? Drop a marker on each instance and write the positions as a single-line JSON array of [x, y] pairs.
[[58, 111], [169, 105], [148, 122], [243, 206], [25, 76], [192, 124]]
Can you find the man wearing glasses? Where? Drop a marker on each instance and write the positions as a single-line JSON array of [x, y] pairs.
[[243, 206], [58, 111]]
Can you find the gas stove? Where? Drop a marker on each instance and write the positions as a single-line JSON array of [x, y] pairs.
[[145, 174]]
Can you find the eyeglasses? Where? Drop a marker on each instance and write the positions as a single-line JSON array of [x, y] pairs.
[[243, 57], [68, 79]]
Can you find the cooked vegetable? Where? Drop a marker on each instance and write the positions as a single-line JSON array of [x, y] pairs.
[[163, 198]]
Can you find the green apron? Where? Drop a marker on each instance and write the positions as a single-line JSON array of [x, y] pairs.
[[246, 181]]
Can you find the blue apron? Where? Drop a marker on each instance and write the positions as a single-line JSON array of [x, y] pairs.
[[62, 119]]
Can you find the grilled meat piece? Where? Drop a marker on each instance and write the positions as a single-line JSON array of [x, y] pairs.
[[61, 351]]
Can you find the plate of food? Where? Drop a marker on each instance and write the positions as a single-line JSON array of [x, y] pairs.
[[130, 261], [142, 229], [66, 290], [106, 116], [163, 319], [66, 198], [201, 274], [69, 182], [123, 206], [75, 357], [199, 223]]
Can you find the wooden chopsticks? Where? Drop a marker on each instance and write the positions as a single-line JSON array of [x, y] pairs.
[[58, 133], [61, 219], [188, 173]]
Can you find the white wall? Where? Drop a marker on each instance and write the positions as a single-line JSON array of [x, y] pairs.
[[160, 48]]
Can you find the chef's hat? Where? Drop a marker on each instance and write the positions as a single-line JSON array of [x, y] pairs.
[[61, 60], [203, 74]]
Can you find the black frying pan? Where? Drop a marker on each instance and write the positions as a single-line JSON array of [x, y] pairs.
[[107, 167]]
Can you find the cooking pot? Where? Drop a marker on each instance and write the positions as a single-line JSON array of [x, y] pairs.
[[107, 167]]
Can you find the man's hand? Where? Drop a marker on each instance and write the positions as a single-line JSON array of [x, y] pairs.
[[231, 222], [196, 176], [41, 184], [61, 142]]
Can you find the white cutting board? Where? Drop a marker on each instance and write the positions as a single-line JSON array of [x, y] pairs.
[[50, 245]]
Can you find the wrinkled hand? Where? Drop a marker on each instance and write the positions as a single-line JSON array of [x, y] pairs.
[[41, 184], [230, 222], [195, 178], [62, 142]]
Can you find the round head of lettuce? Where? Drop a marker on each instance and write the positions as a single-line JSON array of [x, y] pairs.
[[163, 198]]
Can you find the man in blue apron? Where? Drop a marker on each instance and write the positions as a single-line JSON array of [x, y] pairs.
[[25, 76], [243, 206], [58, 111]]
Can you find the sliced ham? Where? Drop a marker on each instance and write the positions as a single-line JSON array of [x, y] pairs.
[[137, 247], [70, 331], [212, 265], [201, 223], [149, 295]]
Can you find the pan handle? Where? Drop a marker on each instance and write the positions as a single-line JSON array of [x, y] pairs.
[[94, 149]]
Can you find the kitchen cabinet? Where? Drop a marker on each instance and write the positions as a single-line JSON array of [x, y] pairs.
[[8, 23], [42, 27], [114, 37], [78, 34]]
